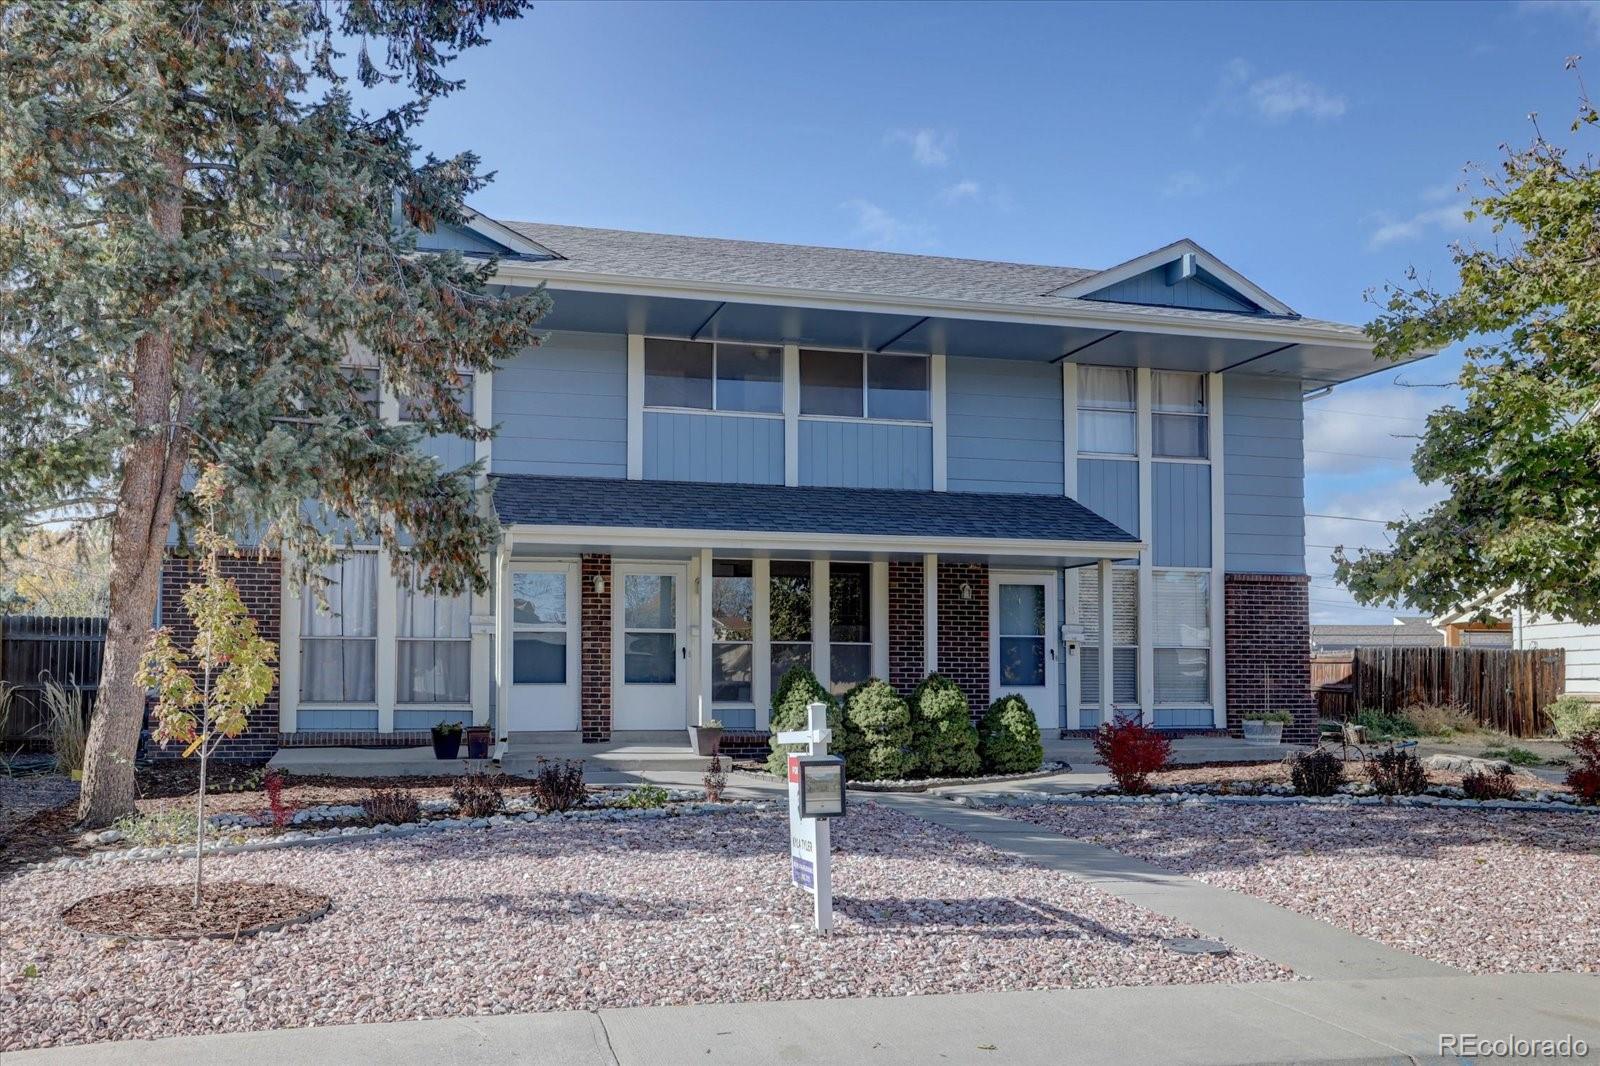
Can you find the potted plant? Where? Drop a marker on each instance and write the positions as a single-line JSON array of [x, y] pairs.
[[707, 735], [1264, 727], [478, 738], [446, 740]]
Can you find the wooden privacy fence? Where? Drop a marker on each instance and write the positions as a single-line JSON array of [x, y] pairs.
[[1504, 689], [35, 649]]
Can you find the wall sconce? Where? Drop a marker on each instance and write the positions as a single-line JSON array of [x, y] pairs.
[[966, 590], [599, 585]]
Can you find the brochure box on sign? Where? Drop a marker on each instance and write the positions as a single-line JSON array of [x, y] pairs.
[[821, 786]]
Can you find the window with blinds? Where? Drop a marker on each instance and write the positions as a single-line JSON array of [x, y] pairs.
[[1124, 638], [1181, 604]]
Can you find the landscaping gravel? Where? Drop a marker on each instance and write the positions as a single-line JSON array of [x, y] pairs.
[[560, 915], [1490, 892]]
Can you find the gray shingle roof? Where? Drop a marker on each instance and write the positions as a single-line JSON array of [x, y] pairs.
[[577, 501], [714, 261]]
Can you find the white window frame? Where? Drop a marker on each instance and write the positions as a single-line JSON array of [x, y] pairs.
[[876, 606], [714, 409], [1210, 587], [472, 680], [1204, 415], [866, 415], [1079, 406], [303, 601], [1088, 580], [572, 628], [712, 642]]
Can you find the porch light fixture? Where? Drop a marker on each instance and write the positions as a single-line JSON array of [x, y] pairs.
[[599, 585], [966, 590]]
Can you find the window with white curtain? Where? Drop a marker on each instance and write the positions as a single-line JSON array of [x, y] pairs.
[[1181, 603], [1124, 637], [433, 653], [338, 646], [1106, 410], [1178, 414]]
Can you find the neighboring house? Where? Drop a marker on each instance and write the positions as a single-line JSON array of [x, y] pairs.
[[1464, 629], [1085, 486], [1582, 645], [1405, 631]]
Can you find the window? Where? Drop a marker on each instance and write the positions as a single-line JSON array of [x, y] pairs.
[[434, 646], [1106, 410], [539, 627], [649, 629], [1181, 600], [364, 380], [713, 377], [1178, 411], [732, 632], [874, 385], [338, 647], [789, 607], [1021, 635], [849, 625], [413, 409], [1124, 637]]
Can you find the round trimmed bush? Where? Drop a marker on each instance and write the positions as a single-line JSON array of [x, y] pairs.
[[943, 736], [1008, 737], [880, 722], [797, 688]]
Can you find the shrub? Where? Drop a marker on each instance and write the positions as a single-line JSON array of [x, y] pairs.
[[1380, 725], [558, 785], [880, 722], [943, 735], [645, 798], [1584, 778], [1494, 785], [68, 726], [1131, 751], [391, 806], [161, 827], [280, 811], [1397, 773], [1283, 717], [1008, 737], [477, 795], [1440, 719], [797, 688], [1514, 755], [1316, 773], [1573, 716]]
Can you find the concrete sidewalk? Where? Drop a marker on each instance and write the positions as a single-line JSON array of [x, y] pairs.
[[1294, 1021]]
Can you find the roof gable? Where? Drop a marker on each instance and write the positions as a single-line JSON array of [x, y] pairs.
[[1181, 274], [481, 235]]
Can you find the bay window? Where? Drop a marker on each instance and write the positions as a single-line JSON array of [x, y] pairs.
[[713, 376], [849, 625], [1106, 410], [1178, 415], [733, 631], [1181, 601], [339, 646], [433, 652], [789, 608], [864, 385]]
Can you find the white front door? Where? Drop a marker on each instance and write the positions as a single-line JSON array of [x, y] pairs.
[[649, 655], [1022, 642], [541, 604]]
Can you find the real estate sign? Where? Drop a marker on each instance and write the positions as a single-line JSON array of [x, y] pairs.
[[816, 793]]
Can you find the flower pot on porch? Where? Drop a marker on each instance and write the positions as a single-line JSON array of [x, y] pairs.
[[706, 738], [1257, 731], [446, 741], [478, 738]]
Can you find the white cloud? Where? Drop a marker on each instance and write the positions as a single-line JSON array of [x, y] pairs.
[[1283, 96], [880, 229], [962, 190], [929, 147], [1352, 431], [1587, 11], [1183, 183], [1390, 230]]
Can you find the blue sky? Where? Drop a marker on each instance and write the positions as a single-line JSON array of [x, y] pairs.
[[1316, 148]]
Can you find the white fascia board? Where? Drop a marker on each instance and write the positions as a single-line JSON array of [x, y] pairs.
[[486, 227], [698, 539], [1166, 254], [1082, 314]]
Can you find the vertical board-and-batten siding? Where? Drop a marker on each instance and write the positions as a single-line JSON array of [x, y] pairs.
[[1181, 523], [1110, 488], [1582, 644], [710, 447], [1004, 426], [1264, 475], [562, 408], [865, 455]]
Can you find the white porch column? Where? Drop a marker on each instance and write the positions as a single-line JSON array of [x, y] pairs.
[[879, 618], [288, 650], [791, 414], [502, 649], [1107, 651], [1219, 554], [703, 650], [1145, 621], [821, 655], [385, 683], [930, 614], [761, 640], [635, 406]]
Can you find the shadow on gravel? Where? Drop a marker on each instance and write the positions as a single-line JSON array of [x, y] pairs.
[[990, 916]]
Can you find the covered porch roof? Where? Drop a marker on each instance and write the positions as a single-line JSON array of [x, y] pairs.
[[611, 513]]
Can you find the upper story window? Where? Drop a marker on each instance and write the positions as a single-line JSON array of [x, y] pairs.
[[364, 380], [706, 376], [414, 408], [864, 385], [1106, 410], [1178, 411]]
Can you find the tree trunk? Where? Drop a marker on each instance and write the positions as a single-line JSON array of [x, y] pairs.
[[147, 493]]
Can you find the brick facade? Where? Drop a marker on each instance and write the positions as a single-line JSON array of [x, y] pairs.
[[1268, 648], [964, 630], [595, 650], [260, 583], [907, 657]]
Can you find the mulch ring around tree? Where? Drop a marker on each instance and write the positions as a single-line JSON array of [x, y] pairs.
[[228, 910]]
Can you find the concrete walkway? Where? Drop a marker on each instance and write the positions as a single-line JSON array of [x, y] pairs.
[[1293, 1021]]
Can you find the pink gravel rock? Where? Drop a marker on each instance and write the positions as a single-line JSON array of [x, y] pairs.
[[554, 916], [1487, 891]]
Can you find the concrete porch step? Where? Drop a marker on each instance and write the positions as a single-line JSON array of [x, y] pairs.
[[626, 752]]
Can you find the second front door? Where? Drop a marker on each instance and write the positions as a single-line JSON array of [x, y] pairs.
[[648, 658]]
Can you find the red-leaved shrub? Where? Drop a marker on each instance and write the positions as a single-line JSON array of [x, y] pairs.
[[1584, 777], [1131, 751], [281, 811]]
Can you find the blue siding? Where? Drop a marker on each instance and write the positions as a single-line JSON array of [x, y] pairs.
[[357, 719], [562, 408], [1110, 488], [1183, 717], [405, 718], [453, 238], [1264, 475], [1151, 288], [1181, 514], [452, 452], [1003, 426], [729, 448], [866, 455]]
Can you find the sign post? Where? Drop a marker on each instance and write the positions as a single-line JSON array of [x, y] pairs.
[[816, 794]]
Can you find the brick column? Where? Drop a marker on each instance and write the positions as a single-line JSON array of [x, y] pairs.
[[906, 633], [964, 630], [1268, 618], [595, 650], [260, 584]]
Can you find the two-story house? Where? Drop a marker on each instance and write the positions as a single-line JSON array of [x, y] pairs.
[[1085, 486]]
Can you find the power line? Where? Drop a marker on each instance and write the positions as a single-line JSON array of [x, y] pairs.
[[1368, 414], [1349, 518], [1360, 455]]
